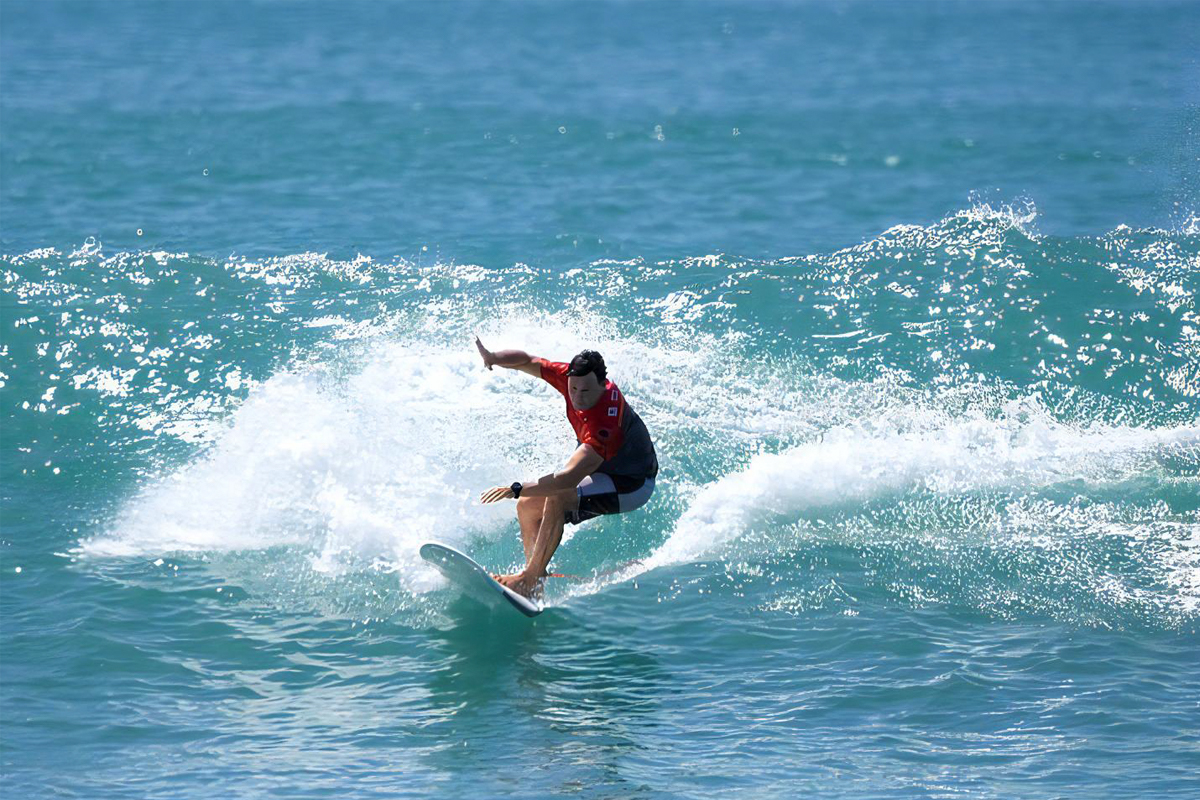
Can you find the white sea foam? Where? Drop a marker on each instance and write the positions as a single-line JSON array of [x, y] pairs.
[[1023, 448], [360, 468], [357, 462]]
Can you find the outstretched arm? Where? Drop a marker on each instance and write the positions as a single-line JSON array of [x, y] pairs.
[[583, 462], [509, 359]]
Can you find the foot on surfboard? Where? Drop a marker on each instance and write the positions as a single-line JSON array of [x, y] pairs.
[[518, 585]]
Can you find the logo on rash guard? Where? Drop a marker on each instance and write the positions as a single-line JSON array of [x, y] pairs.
[[612, 411]]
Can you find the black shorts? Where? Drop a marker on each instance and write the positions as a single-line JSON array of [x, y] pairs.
[[600, 493]]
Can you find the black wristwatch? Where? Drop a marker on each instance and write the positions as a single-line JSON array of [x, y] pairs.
[[516, 489]]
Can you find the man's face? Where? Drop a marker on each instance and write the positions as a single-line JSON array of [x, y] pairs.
[[584, 391]]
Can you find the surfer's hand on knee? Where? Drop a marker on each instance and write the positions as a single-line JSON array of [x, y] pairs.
[[498, 493]]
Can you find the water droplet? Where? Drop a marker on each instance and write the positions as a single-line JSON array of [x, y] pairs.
[[206, 170], [562, 128], [139, 231]]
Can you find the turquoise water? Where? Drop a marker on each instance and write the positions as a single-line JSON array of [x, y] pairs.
[[905, 292]]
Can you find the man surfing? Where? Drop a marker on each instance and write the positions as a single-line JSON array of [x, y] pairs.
[[611, 471]]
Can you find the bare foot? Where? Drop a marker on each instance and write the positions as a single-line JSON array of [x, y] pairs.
[[521, 584], [515, 581]]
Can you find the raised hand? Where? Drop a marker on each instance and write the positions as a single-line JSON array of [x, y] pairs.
[[489, 358]]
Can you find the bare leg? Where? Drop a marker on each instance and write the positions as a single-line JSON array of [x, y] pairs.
[[550, 531], [529, 515], [541, 521]]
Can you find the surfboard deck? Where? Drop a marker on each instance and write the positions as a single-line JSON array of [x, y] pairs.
[[462, 571]]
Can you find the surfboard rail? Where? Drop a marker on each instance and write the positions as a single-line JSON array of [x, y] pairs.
[[475, 581]]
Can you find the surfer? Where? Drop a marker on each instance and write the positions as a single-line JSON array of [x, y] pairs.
[[611, 471]]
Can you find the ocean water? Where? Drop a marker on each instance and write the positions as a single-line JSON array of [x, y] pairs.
[[906, 293]]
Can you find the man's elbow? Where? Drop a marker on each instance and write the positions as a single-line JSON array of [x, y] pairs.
[[582, 470], [568, 479]]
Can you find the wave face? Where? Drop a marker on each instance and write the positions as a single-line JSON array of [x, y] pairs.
[[938, 384], [966, 430], [936, 472]]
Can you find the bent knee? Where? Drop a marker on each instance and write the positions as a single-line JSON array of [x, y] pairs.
[[561, 499]]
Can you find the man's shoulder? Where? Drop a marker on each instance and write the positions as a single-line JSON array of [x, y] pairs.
[[553, 372], [548, 365]]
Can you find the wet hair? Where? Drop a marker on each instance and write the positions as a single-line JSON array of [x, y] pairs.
[[588, 361]]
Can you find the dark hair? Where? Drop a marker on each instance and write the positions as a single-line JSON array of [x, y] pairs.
[[588, 361]]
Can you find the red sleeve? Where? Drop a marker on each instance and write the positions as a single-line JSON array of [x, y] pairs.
[[604, 436], [554, 373]]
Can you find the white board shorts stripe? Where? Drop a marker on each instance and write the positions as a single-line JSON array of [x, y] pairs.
[[599, 493]]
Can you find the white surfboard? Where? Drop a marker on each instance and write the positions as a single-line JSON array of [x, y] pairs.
[[474, 580]]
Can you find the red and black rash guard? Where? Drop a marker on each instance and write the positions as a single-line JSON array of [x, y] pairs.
[[611, 427]]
